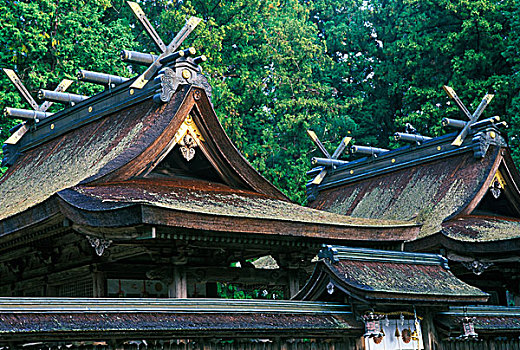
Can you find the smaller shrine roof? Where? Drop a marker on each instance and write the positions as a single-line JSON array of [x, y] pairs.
[[72, 318], [387, 276], [428, 191], [488, 319]]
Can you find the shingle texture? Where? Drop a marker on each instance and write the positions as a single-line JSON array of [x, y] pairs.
[[428, 193], [402, 278]]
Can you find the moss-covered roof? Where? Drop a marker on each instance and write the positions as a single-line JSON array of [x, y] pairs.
[[481, 229], [203, 205], [74, 157], [120, 145], [379, 275], [402, 278], [204, 197], [428, 193], [84, 319]]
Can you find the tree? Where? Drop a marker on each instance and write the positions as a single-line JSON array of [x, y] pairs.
[[266, 66], [394, 56], [46, 41]]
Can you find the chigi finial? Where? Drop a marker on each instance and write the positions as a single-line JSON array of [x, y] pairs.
[[472, 117], [39, 111], [483, 134], [169, 69], [329, 161]]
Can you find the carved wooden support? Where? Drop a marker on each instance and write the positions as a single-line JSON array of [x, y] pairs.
[[169, 84], [99, 244]]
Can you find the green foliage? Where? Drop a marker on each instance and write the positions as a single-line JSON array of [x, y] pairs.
[[398, 54], [233, 291], [280, 67], [46, 41]]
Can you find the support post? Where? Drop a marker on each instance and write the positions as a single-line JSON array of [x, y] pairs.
[[98, 284], [178, 288], [51, 290], [429, 334], [294, 283]]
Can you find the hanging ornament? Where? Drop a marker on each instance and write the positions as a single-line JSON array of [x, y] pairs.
[[415, 334], [397, 334], [401, 317], [372, 325], [386, 321], [468, 328], [406, 334]]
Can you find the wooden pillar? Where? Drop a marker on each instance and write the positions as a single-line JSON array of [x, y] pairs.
[[179, 287], [428, 332], [294, 283], [51, 290], [98, 284]]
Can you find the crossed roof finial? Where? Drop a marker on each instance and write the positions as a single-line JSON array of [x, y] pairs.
[[190, 25], [38, 112], [329, 160], [472, 117]]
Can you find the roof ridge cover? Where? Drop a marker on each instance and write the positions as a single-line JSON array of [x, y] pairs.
[[336, 253]]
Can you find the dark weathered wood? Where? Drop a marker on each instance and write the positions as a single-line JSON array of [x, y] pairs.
[[98, 283], [428, 332], [178, 287]]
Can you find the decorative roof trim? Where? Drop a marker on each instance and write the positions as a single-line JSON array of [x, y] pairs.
[[487, 310], [337, 253], [143, 305], [406, 157]]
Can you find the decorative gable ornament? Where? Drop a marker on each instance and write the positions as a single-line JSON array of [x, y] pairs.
[[188, 137], [99, 244], [188, 145], [497, 185], [476, 266]]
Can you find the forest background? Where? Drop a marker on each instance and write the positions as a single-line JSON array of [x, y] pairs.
[[361, 68]]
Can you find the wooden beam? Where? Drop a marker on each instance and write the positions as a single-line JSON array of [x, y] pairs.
[[21, 88]]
